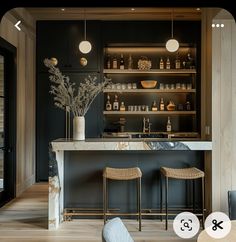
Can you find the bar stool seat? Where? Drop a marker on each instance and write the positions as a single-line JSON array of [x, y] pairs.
[[191, 173], [121, 174], [185, 173]]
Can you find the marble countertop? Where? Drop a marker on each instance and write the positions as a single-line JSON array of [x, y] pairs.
[[117, 144]]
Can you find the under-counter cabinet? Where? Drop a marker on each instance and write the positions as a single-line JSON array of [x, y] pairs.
[[177, 84]]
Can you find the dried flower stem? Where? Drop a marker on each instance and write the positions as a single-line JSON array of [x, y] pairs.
[[64, 91]]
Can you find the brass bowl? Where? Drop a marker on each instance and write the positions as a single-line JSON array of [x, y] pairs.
[[149, 83]]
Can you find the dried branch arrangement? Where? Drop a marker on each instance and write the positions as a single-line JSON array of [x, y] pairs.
[[67, 96]]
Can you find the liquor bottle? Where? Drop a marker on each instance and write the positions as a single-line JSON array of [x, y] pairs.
[[154, 106], [161, 63], [188, 106], [116, 104], [122, 62], [162, 105], [114, 63], [189, 62], [130, 62], [108, 63], [108, 104], [122, 106], [177, 62], [168, 63], [168, 125]]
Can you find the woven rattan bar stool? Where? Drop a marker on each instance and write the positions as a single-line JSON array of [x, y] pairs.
[[185, 174], [121, 174]]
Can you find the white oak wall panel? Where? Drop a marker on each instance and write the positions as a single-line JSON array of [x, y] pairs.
[[24, 41], [223, 112]]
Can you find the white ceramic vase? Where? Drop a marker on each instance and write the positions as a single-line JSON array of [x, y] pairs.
[[79, 128]]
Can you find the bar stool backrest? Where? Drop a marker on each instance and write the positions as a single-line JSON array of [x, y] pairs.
[[115, 231], [232, 204]]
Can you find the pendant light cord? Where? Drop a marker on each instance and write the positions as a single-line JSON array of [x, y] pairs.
[[172, 29], [84, 24]]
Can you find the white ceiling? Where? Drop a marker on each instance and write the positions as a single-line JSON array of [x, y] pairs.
[[115, 13]]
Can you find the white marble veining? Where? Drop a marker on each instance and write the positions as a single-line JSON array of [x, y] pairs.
[[62, 144]]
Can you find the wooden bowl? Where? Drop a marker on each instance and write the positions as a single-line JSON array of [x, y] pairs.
[[148, 83]]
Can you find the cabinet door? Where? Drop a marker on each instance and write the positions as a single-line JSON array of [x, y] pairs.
[[52, 41], [60, 39], [50, 122]]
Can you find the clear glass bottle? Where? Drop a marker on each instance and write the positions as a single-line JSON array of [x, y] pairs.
[[154, 106], [114, 63], [115, 105], [122, 106], [108, 62], [161, 64], [177, 62], [168, 63], [162, 105], [122, 62], [188, 106], [130, 62], [108, 104], [168, 125]]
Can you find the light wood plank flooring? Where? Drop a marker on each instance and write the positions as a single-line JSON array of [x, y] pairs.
[[25, 219]]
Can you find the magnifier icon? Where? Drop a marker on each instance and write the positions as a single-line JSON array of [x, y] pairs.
[[186, 225]]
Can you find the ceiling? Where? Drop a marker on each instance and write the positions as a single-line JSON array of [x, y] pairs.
[[115, 13]]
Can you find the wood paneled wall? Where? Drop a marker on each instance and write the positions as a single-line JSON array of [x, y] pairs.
[[24, 41], [223, 111]]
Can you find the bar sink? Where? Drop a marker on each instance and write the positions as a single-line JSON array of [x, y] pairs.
[[149, 135]]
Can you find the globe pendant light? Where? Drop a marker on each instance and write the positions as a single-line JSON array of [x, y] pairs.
[[85, 46], [172, 44]]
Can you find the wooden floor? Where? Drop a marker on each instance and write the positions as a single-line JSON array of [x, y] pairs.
[[25, 219]]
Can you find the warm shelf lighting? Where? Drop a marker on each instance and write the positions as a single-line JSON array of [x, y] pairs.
[[85, 46], [172, 44]]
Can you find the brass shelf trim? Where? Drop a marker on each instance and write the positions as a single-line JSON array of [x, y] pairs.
[[149, 91], [151, 71]]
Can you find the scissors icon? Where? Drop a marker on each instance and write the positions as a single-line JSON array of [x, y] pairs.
[[216, 225]]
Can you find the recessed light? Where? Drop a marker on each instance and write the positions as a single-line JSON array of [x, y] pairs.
[[213, 25], [217, 25], [62, 9], [198, 9], [222, 25], [132, 9]]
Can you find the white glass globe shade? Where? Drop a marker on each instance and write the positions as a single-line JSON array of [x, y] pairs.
[[172, 45], [85, 46]]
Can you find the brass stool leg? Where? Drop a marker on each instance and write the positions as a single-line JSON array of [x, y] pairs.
[[166, 203], [161, 196], [139, 204], [104, 199], [203, 202]]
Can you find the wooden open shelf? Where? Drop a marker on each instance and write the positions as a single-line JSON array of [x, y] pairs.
[[149, 90], [149, 112], [152, 71]]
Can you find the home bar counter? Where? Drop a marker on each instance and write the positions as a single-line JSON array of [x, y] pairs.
[[79, 164]]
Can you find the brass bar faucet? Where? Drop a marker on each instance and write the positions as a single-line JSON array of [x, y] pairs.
[[146, 125]]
